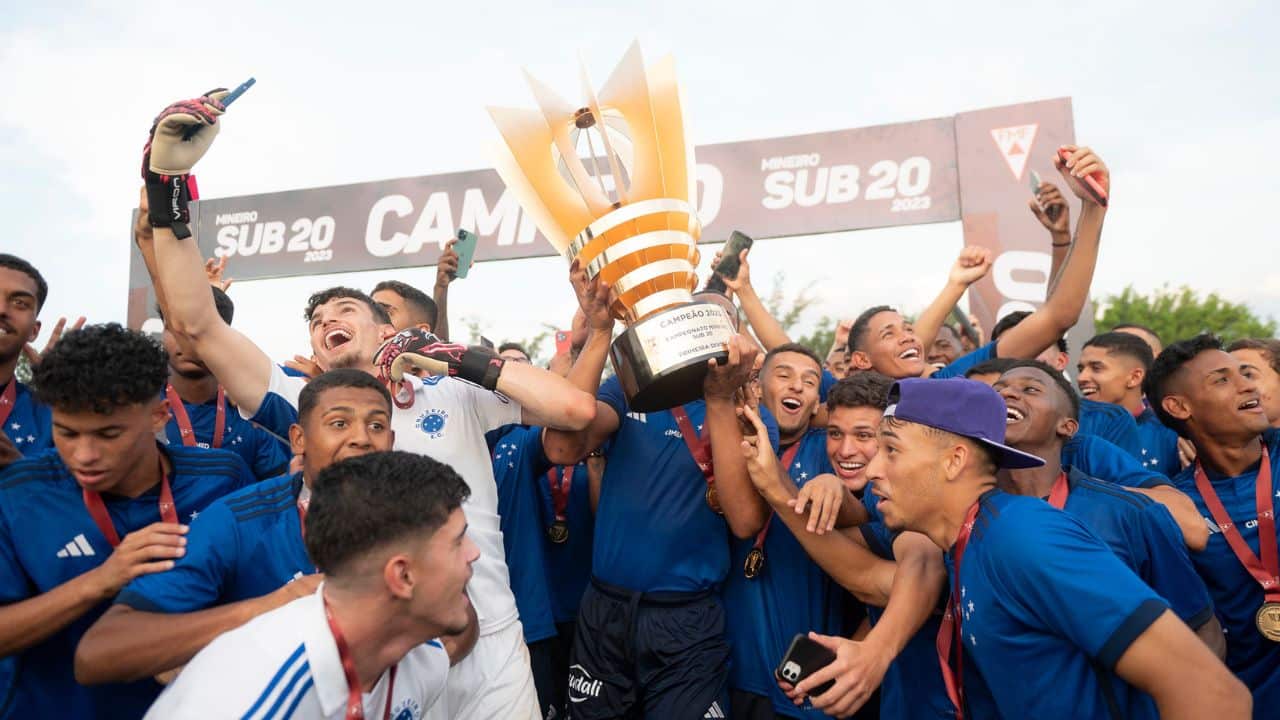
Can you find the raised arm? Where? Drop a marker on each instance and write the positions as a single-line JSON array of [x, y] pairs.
[[177, 267], [565, 447], [1051, 209], [766, 328], [973, 264], [1062, 307], [1195, 685], [446, 271], [744, 509]]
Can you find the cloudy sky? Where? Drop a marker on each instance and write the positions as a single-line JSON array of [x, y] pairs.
[[1182, 104]]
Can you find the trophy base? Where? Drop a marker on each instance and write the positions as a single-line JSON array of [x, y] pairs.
[[662, 360]]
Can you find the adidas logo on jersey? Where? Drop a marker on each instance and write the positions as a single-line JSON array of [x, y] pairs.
[[78, 547], [714, 711], [641, 417]]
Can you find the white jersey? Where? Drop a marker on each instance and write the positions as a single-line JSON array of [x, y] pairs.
[[285, 664], [447, 422]]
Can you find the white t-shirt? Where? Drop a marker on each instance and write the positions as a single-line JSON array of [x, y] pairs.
[[447, 422], [285, 664]]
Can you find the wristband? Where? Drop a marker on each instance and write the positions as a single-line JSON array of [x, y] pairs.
[[169, 200], [479, 366]]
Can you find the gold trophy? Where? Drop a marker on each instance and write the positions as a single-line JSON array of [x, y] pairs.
[[611, 184]]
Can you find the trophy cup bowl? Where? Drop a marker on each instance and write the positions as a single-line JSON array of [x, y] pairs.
[[627, 218]]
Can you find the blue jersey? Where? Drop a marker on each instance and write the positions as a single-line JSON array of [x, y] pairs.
[[654, 530], [790, 595], [1159, 444], [1046, 605], [518, 465], [243, 546], [1142, 533], [265, 454], [1101, 459], [569, 562], [1236, 594], [30, 423], [912, 688], [47, 538], [1111, 423]]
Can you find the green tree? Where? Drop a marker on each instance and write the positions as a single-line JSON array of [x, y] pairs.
[[790, 310], [23, 371], [1177, 314]]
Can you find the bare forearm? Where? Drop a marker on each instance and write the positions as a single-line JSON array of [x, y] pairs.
[[913, 595], [766, 327], [589, 367], [848, 562], [29, 622], [929, 322], [179, 270], [127, 644], [744, 509], [546, 398], [567, 447], [441, 297], [1068, 296], [1060, 250], [1195, 533]]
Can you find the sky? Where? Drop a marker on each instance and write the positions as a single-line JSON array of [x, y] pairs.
[[1179, 100]]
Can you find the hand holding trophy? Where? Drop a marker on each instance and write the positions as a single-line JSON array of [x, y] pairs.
[[611, 185]]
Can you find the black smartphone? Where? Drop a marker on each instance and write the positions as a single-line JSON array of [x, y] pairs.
[[804, 658], [729, 262]]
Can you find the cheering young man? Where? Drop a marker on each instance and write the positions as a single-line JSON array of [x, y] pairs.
[[79, 522], [1212, 399], [245, 553], [1043, 413], [651, 625], [389, 532], [1111, 370], [1037, 602], [444, 416]]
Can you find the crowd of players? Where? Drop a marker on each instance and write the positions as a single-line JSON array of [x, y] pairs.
[[398, 525]]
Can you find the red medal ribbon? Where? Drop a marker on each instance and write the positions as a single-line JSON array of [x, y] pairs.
[[179, 412], [355, 701], [699, 447], [787, 457], [1267, 570], [8, 399], [560, 490], [98, 509], [1058, 494], [949, 632]]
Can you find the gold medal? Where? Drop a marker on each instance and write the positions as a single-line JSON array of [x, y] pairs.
[[558, 533], [713, 502], [754, 564], [1268, 621]]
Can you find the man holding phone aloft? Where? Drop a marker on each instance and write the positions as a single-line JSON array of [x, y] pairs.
[[470, 392]]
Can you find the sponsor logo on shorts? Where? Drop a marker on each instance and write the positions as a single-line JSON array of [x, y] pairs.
[[582, 686]]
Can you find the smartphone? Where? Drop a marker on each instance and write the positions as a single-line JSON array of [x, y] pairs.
[[466, 249], [564, 343], [804, 658], [1035, 183], [486, 342], [729, 262], [235, 94], [1090, 183]]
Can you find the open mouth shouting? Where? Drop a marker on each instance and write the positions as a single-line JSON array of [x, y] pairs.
[[336, 338], [791, 404], [910, 354], [1013, 415], [1088, 389]]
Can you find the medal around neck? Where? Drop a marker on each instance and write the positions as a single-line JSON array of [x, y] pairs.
[[610, 183], [1268, 620]]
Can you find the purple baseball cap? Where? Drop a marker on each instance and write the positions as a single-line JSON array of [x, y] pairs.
[[963, 407]]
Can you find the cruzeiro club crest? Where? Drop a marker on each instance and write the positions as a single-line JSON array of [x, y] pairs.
[[406, 709], [432, 422]]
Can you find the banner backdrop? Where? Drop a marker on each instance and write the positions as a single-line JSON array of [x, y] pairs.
[[972, 167]]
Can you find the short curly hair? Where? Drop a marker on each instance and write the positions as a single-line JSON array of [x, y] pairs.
[[101, 368], [380, 315], [1159, 381], [867, 388]]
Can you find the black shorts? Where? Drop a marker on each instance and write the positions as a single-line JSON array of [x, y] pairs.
[[651, 655], [549, 659]]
